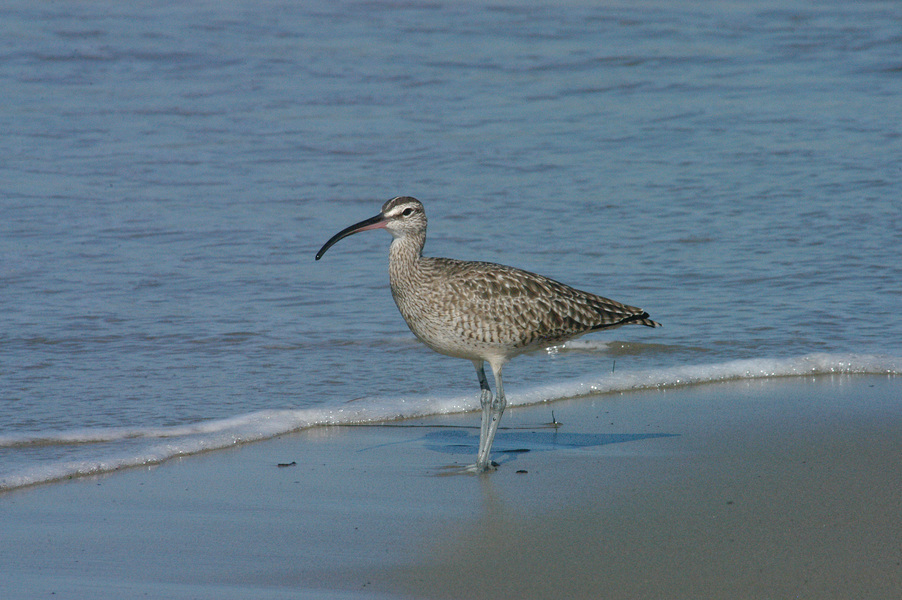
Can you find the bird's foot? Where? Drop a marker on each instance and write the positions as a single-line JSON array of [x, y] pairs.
[[477, 468]]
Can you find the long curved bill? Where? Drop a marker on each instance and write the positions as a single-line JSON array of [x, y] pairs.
[[377, 222]]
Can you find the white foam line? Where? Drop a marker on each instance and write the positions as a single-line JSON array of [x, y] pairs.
[[809, 365]]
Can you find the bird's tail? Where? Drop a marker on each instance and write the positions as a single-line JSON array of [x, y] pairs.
[[640, 319], [635, 318]]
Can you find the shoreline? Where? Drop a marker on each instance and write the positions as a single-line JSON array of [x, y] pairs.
[[156, 445], [784, 487]]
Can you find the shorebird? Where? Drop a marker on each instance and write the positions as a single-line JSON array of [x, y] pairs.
[[481, 311]]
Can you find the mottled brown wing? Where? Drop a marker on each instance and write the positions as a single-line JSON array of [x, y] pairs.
[[522, 309]]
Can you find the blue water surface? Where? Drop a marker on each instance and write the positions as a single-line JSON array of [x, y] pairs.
[[170, 168]]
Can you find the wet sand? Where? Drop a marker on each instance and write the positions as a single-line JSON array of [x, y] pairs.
[[781, 488]]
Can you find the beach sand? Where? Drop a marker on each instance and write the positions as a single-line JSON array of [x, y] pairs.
[[779, 488]]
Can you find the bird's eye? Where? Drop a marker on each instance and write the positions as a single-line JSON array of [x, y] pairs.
[[407, 212]]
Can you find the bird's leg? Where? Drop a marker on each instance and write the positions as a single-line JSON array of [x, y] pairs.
[[493, 417], [485, 401]]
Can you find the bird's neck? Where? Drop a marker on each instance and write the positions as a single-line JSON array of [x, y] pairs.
[[403, 263], [406, 250]]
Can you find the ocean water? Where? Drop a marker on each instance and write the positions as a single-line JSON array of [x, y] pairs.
[[169, 170]]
